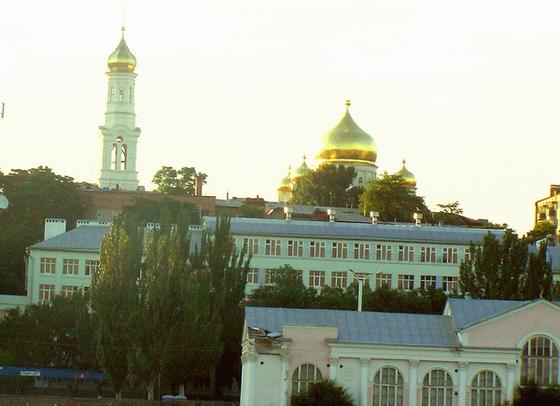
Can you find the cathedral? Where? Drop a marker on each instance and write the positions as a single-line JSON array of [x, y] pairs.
[[345, 144]]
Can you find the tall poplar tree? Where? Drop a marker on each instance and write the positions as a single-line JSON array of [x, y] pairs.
[[114, 297]]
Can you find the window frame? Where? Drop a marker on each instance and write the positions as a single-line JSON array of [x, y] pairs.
[[47, 265], [380, 388], [339, 279], [491, 395], [70, 266], [408, 279], [550, 361], [428, 389], [301, 383]]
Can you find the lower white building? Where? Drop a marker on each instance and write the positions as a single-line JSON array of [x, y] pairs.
[[477, 353]]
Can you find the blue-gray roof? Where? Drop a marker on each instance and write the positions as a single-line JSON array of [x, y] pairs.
[[361, 327], [352, 231], [467, 312], [83, 239]]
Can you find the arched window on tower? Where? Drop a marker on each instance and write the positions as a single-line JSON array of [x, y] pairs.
[[114, 157], [124, 153], [112, 94], [121, 95], [130, 94]]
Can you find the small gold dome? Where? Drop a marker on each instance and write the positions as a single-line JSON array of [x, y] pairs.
[[122, 60], [348, 142], [286, 183], [303, 169], [408, 176]]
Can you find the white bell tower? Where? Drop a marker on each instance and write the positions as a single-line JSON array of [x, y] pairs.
[[119, 135]]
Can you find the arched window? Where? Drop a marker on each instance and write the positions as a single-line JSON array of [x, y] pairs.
[[114, 157], [539, 362], [304, 376], [124, 152], [388, 387], [437, 389], [112, 94], [121, 95], [486, 389], [130, 94]]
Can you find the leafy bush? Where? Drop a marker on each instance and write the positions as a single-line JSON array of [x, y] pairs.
[[323, 393]]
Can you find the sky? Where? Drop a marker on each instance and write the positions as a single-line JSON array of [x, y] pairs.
[[467, 92]]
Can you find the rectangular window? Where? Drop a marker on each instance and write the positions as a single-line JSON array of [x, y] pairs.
[[68, 290], [361, 251], [92, 266], [450, 284], [449, 255], [70, 266], [383, 280], [295, 248], [46, 292], [317, 249], [406, 253], [406, 282], [251, 246], [272, 247], [383, 252], [364, 276], [428, 254], [467, 254], [253, 275], [339, 250], [339, 279], [427, 282], [270, 276], [48, 265], [316, 278]]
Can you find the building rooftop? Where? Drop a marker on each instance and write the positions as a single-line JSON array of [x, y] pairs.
[[85, 239], [356, 231], [361, 327]]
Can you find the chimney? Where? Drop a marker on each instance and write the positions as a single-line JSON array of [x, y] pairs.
[[332, 215], [54, 227], [554, 190], [418, 218], [374, 216], [198, 186], [288, 211]]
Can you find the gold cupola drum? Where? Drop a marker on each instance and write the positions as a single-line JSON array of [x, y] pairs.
[[407, 176], [347, 144], [122, 60]]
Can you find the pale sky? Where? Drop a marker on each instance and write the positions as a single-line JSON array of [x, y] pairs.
[[467, 92]]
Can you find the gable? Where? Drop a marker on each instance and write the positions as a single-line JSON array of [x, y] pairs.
[[510, 329]]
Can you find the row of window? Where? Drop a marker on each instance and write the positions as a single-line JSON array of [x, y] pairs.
[[382, 252], [46, 291], [318, 279], [437, 386], [539, 365], [47, 265]]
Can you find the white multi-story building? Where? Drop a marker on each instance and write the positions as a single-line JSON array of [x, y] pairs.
[[475, 354]]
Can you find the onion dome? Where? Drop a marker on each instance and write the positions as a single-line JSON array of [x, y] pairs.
[[348, 142], [122, 60], [303, 169], [408, 176], [286, 183]]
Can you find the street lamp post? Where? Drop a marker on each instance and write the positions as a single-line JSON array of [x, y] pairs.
[[360, 289]]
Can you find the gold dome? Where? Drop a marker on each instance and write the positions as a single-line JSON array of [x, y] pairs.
[[286, 183], [408, 176], [122, 60], [303, 169], [348, 142]]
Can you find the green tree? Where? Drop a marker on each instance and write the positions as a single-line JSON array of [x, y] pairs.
[[114, 298], [532, 395], [452, 207], [323, 393], [287, 290], [543, 229], [34, 194], [178, 182], [329, 185], [390, 196], [57, 334], [505, 270]]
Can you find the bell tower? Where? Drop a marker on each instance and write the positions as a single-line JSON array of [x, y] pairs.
[[119, 135]]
